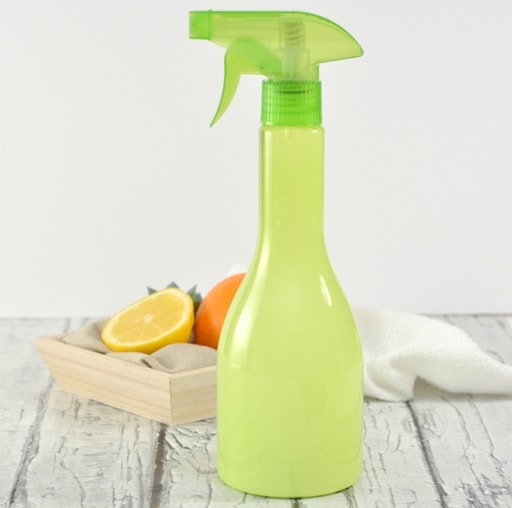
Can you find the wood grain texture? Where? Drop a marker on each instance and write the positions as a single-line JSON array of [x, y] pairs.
[[90, 454], [65, 450], [468, 438], [24, 392], [168, 398], [193, 395], [110, 380], [187, 473]]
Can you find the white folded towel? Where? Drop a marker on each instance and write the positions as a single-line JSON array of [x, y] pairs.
[[400, 347]]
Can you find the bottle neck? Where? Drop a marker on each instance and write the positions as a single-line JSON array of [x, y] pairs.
[[292, 192]]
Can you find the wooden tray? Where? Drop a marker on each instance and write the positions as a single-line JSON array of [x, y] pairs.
[[168, 398]]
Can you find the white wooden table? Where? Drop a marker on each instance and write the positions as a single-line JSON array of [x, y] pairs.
[[65, 451]]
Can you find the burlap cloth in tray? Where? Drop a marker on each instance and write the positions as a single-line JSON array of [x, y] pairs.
[[172, 359]]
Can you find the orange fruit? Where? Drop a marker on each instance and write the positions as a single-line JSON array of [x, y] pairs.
[[212, 312], [160, 319]]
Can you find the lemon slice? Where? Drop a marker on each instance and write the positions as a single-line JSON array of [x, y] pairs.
[[160, 319]]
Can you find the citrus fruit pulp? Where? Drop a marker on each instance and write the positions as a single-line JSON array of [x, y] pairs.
[[160, 319]]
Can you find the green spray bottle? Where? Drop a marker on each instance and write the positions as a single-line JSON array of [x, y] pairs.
[[289, 371]]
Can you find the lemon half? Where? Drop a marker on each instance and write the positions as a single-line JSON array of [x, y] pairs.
[[159, 319]]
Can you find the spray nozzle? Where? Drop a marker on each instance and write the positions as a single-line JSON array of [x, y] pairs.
[[283, 46]]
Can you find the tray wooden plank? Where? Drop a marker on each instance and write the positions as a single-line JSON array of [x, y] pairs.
[[193, 395], [167, 398]]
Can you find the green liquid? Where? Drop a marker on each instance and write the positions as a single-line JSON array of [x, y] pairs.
[[289, 368]]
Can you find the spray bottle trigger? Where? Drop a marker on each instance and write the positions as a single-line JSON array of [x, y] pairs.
[[243, 57], [232, 72]]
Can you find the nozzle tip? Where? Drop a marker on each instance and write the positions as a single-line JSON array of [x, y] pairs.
[[199, 25]]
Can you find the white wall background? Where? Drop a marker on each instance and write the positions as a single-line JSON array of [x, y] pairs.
[[111, 179]]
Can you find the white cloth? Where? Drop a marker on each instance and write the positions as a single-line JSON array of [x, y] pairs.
[[400, 347]]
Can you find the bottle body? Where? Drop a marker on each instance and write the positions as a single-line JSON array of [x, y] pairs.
[[289, 361]]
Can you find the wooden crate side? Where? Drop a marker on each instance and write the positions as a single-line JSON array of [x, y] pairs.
[[194, 395], [115, 382]]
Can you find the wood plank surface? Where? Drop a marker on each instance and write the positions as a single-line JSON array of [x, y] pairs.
[[24, 389], [74, 452], [468, 438], [187, 473], [90, 454], [64, 450]]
